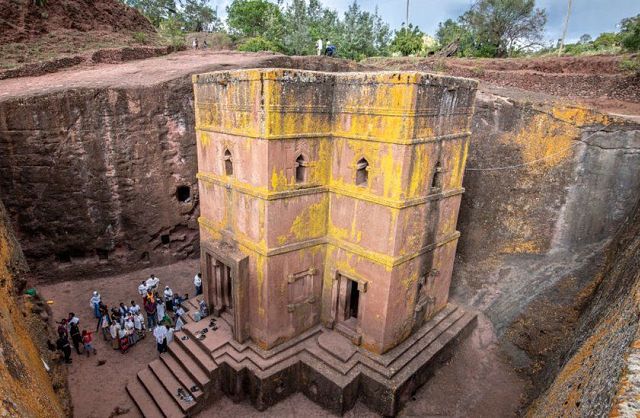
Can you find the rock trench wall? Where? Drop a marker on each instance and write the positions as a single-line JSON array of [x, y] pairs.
[[544, 177], [25, 387], [100, 181], [91, 178]]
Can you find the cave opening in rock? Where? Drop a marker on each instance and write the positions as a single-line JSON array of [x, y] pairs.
[[165, 239], [183, 194], [63, 257], [102, 254]]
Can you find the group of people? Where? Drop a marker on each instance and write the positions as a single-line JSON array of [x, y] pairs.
[[329, 48], [196, 45], [69, 333], [125, 325]]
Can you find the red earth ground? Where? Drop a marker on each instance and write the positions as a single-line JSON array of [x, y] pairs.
[[599, 81], [476, 382]]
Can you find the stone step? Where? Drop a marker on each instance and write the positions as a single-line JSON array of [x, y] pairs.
[[143, 400], [171, 384], [193, 369], [180, 373], [197, 352], [165, 403]]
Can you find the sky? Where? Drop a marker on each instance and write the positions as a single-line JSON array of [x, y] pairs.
[[588, 16]]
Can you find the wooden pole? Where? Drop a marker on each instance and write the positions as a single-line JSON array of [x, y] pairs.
[[406, 20], [564, 30]]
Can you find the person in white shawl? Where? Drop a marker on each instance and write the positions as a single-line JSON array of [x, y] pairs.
[[95, 303]]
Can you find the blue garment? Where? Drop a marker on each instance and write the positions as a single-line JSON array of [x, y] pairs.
[[151, 321], [96, 310]]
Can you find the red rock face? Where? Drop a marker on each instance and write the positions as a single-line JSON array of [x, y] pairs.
[[101, 180], [98, 167]]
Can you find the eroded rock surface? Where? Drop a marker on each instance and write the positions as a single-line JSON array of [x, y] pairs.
[[27, 390]]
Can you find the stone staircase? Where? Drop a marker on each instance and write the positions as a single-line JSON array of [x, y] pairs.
[[186, 368], [217, 364]]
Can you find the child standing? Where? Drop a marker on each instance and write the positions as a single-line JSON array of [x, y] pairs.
[[86, 339]]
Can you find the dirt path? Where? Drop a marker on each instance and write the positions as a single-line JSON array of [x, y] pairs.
[[131, 74], [477, 382]]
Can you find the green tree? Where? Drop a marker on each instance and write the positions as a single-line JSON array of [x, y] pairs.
[[606, 40], [630, 33], [258, 44], [155, 10], [323, 23], [171, 29], [362, 34], [502, 27], [585, 39], [407, 40], [451, 31], [297, 39], [253, 18], [198, 16]]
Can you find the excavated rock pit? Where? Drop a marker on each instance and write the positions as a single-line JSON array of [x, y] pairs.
[[98, 176]]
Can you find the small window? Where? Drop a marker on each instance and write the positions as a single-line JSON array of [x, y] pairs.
[[362, 173], [228, 163], [183, 194], [436, 181], [301, 169]]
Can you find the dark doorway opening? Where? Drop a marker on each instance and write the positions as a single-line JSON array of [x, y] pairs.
[[354, 299], [183, 193], [165, 239], [102, 254]]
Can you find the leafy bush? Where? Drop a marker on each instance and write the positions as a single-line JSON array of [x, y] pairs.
[[171, 30], [630, 33], [631, 65], [408, 40], [140, 37], [258, 44], [219, 40]]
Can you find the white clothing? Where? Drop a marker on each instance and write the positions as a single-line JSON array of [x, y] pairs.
[[139, 318], [113, 330], [94, 300], [137, 324], [142, 289], [160, 311], [197, 281], [74, 320], [319, 46], [134, 309], [180, 311], [169, 335], [128, 325], [152, 282], [168, 294], [160, 332], [179, 324]]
